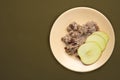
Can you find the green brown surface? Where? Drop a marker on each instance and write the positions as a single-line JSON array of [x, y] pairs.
[[24, 40]]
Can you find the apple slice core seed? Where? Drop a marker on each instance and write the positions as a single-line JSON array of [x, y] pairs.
[[89, 52]]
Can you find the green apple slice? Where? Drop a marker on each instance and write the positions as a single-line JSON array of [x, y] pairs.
[[98, 39], [89, 52], [102, 34]]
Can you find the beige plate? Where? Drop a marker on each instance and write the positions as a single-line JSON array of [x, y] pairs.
[[80, 15]]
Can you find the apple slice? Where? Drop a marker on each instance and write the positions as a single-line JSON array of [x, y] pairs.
[[98, 39], [102, 34], [89, 52]]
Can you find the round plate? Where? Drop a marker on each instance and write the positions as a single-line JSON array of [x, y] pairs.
[[81, 15]]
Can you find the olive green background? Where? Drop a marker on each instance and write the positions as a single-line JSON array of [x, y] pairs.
[[25, 52]]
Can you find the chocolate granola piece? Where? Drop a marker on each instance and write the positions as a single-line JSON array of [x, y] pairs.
[[77, 36], [92, 27], [72, 27], [74, 34], [66, 39], [71, 49]]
